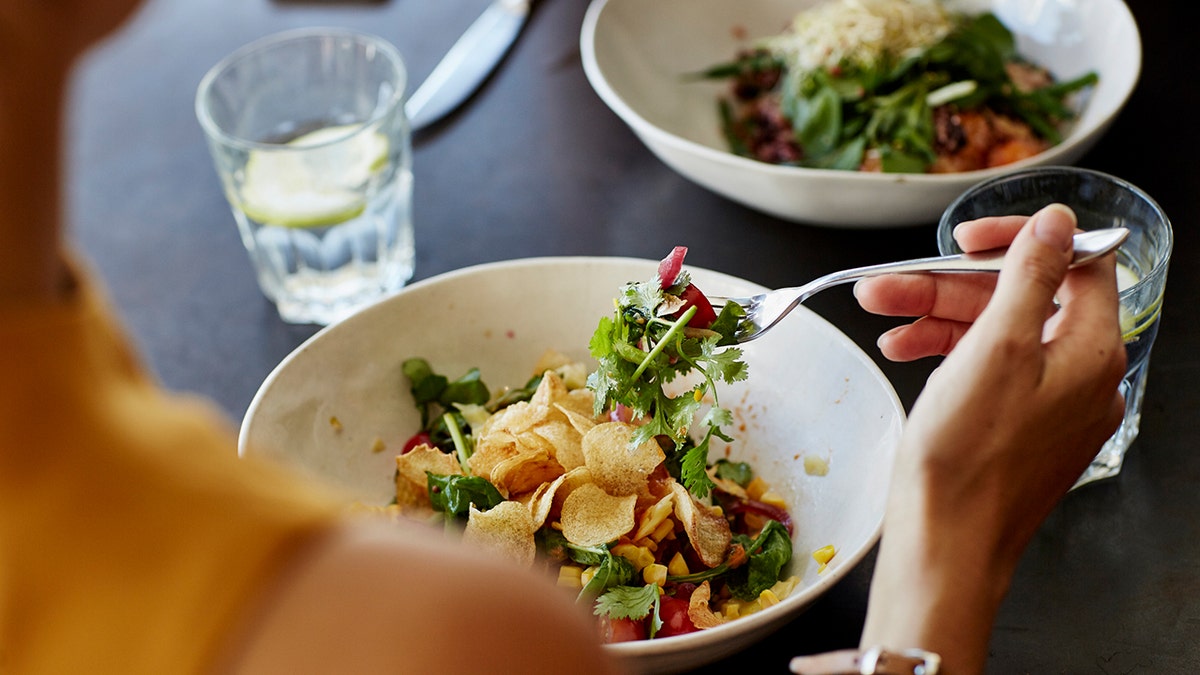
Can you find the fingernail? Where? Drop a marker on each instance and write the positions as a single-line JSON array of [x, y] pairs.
[[1055, 226]]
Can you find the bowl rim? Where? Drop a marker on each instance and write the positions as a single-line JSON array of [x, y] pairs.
[[644, 128]]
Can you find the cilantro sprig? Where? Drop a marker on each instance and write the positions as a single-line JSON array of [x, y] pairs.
[[645, 346]]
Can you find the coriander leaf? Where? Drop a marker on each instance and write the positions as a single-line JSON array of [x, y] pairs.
[[644, 346], [693, 470], [627, 602], [724, 365]]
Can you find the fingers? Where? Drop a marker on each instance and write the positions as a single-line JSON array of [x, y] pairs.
[[988, 233], [1087, 296], [1034, 268], [956, 297], [926, 336]]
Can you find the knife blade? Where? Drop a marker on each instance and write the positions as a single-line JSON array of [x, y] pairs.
[[468, 63]]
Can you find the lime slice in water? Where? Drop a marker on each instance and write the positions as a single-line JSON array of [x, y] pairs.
[[314, 188], [1132, 324]]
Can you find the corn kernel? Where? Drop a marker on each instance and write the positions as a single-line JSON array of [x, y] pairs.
[[638, 556], [655, 574], [732, 610], [570, 576], [816, 466], [771, 497], [665, 528], [678, 566], [767, 598], [585, 575], [647, 543], [654, 516], [784, 587], [824, 554], [698, 395], [378, 446], [756, 488]]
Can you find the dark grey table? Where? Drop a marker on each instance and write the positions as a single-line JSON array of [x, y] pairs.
[[537, 165]]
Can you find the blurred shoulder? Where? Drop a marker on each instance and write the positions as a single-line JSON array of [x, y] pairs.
[[374, 599]]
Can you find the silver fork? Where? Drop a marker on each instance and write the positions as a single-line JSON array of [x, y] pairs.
[[765, 310]]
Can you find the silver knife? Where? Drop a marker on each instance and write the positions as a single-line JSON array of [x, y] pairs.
[[468, 63]]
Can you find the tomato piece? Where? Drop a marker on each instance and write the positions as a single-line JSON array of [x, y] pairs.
[[668, 272], [621, 630], [705, 314], [674, 614], [419, 438], [670, 266]]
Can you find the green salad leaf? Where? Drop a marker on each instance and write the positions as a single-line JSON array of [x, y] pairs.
[[768, 553], [766, 556], [886, 104], [631, 602], [640, 350], [454, 494]]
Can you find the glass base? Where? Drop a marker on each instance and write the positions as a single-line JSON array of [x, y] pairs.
[[1107, 463]]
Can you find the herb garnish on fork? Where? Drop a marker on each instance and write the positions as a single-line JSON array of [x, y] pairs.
[[663, 329]]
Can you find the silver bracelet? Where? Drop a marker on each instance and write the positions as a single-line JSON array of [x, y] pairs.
[[873, 661]]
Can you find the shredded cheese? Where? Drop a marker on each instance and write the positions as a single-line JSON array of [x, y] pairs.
[[861, 31]]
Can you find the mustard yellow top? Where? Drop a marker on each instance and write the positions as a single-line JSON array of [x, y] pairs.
[[132, 537]]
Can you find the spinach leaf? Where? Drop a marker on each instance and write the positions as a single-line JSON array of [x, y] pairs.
[[613, 570], [455, 494], [768, 553], [738, 472], [885, 105], [436, 396]]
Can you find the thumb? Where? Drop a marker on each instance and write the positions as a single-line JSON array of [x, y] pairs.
[[1034, 267]]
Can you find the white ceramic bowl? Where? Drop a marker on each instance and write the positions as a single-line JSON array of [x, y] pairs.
[[635, 52], [811, 391]]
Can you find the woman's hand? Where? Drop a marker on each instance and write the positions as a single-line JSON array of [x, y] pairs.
[[1020, 406], [946, 304]]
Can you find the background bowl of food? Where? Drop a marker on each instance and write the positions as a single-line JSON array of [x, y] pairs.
[[815, 419], [644, 58]]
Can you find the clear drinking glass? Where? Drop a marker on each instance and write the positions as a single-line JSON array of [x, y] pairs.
[[1099, 201], [310, 141]]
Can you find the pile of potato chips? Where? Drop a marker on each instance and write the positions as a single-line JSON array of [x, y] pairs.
[[559, 466]]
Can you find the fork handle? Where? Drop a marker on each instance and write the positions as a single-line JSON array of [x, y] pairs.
[[1087, 246]]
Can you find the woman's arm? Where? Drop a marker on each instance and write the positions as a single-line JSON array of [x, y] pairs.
[[1004, 427]]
